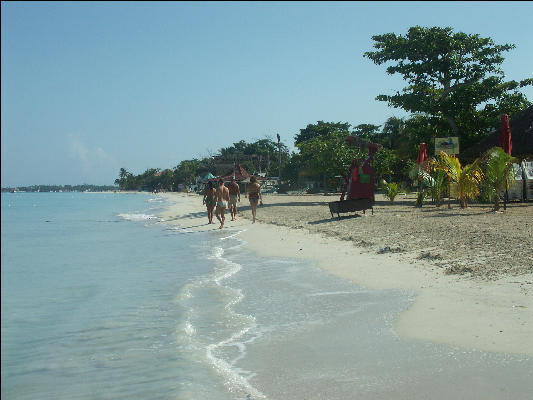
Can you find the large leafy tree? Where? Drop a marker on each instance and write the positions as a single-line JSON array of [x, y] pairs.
[[392, 132], [329, 155], [368, 132], [261, 155], [126, 180], [453, 76], [320, 129], [187, 171]]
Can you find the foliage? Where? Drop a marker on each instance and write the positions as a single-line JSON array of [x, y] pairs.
[[432, 181], [126, 180], [295, 166], [390, 190], [321, 129], [499, 172], [467, 179], [438, 184], [262, 155], [328, 155], [367, 131], [392, 133], [187, 171], [453, 76]]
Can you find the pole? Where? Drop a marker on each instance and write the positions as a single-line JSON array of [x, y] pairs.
[[279, 152]]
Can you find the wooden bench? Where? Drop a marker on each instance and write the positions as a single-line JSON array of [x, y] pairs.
[[344, 206]]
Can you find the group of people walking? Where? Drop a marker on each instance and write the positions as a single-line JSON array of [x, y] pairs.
[[219, 198]]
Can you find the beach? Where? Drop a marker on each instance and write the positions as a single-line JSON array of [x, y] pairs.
[[471, 268]]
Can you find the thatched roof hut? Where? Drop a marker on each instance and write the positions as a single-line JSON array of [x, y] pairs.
[[239, 172], [521, 135]]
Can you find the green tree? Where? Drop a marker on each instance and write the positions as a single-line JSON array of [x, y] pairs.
[[319, 129], [187, 171], [126, 180], [122, 177], [261, 155], [420, 128], [328, 155], [166, 180], [148, 180], [452, 76], [296, 165], [368, 132], [388, 166], [392, 132]]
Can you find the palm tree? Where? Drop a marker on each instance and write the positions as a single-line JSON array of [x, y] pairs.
[[466, 178], [499, 172], [432, 177], [123, 176]]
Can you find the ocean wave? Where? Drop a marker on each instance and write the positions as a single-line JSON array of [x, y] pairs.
[[216, 353], [138, 217]]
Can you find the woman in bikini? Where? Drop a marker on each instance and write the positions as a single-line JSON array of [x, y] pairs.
[[253, 192], [209, 200]]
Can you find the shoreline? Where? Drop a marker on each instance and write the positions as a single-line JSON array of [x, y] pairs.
[[477, 312]]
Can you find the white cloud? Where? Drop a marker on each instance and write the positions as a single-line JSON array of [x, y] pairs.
[[78, 150], [96, 164]]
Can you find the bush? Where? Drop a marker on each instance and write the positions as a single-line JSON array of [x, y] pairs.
[[390, 190]]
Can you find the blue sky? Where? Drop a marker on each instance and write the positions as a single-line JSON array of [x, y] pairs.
[[88, 88]]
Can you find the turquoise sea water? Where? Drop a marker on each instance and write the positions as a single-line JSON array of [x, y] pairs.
[[103, 300]]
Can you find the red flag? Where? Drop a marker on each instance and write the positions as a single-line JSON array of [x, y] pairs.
[[504, 139], [422, 156]]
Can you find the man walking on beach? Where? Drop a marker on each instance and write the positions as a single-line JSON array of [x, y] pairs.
[[234, 196], [253, 192], [210, 200], [222, 195]]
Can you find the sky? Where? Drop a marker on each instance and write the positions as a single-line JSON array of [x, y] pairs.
[[88, 88]]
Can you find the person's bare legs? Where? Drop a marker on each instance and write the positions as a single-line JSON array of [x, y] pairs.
[[222, 217], [210, 214], [233, 210], [254, 210], [217, 214]]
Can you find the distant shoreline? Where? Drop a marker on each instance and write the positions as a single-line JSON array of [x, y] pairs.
[[59, 188]]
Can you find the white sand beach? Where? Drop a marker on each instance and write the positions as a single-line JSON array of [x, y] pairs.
[[471, 268]]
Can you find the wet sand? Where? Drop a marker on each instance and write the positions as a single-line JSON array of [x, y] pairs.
[[471, 268]]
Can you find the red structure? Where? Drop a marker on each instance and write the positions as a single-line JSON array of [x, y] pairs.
[[422, 154], [504, 138], [359, 189], [360, 182]]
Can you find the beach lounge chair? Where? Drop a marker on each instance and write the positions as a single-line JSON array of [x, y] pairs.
[[351, 205]]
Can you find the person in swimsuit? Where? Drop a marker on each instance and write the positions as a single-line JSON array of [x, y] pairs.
[[209, 200], [253, 192], [222, 198], [234, 195]]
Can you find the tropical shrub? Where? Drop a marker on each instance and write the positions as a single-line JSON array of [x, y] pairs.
[[438, 185], [499, 172], [466, 179], [390, 190], [432, 181]]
